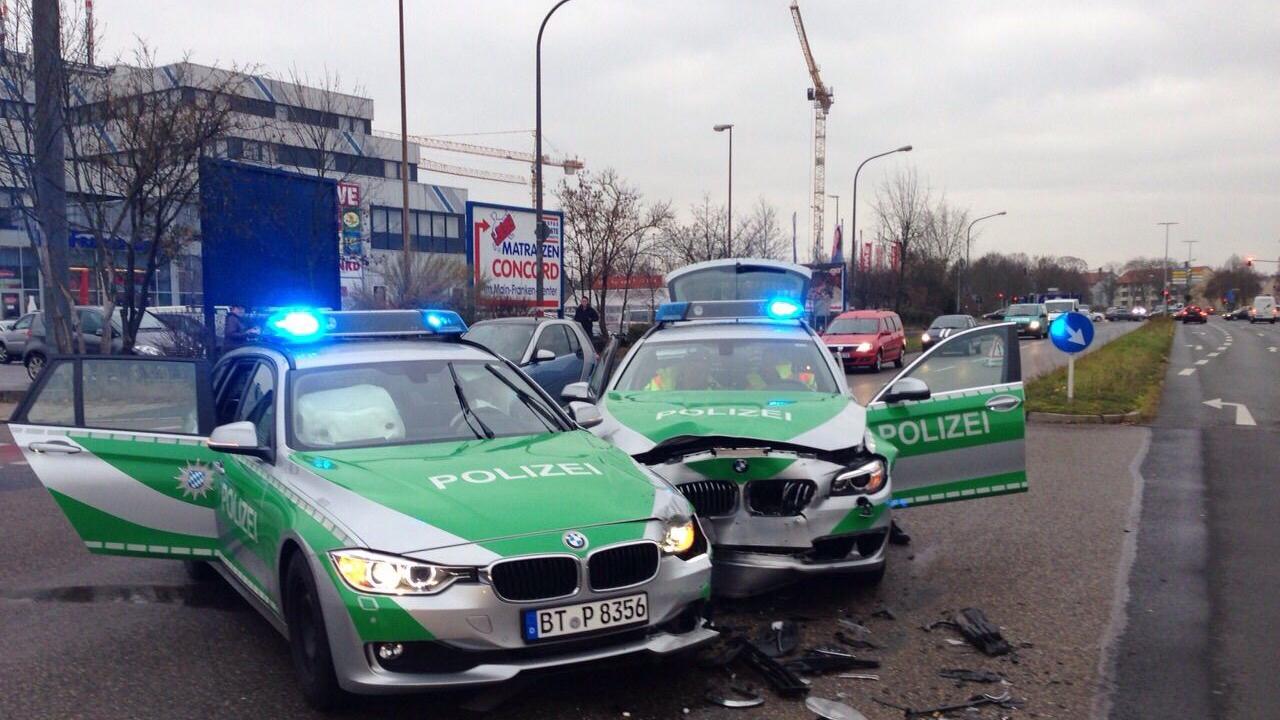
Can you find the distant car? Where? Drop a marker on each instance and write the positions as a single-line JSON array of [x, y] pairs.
[[1032, 319], [551, 351], [867, 338], [1138, 313], [1264, 309], [13, 340], [995, 315], [1240, 313], [1192, 314], [945, 326], [1058, 306], [153, 339]]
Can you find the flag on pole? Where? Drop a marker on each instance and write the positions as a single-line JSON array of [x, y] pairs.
[[837, 245]]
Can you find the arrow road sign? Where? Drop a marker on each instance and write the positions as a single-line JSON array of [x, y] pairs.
[[1243, 417], [1071, 332]]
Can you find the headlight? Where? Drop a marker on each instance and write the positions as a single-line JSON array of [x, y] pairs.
[[924, 337], [867, 479], [1033, 324], [147, 350], [371, 572], [864, 347], [680, 537]]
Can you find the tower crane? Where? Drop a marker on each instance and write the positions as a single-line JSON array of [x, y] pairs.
[[569, 165], [821, 95]]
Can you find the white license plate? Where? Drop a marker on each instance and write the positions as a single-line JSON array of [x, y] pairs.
[[543, 623]]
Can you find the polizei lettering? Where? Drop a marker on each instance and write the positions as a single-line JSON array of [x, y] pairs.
[[239, 512], [521, 472], [936, 429], [768, 413]]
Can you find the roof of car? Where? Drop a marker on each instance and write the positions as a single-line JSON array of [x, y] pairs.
[[865, 313], [358, 352], [514, 321], [718, 329]]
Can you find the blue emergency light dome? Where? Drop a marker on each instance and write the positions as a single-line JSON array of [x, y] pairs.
[[784, 309], [296, 324]]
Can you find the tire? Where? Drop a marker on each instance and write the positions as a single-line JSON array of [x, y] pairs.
[[308, 638], [34, 362], [901, 360], [4, 355], [879, 362]]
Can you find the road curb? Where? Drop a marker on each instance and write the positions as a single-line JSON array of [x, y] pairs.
[[1048, 418]]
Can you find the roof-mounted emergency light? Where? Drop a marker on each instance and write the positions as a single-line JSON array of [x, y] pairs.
[[774, 309], [304, 325]]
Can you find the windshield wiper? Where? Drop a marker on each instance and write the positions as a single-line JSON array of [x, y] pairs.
[[467, 412], [528, 400]]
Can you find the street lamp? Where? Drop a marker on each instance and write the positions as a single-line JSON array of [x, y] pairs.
[[853, 214], [1166, 254], [540, 232], [729, 230], [968, 241]]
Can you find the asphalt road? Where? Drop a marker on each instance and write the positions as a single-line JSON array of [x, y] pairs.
[[1038, 358], [1200, 634]]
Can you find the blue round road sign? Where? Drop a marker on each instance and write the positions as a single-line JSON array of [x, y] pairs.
[[1071, 332]]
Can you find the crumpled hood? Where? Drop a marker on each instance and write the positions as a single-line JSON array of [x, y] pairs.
[[637, 421], [482, 490]]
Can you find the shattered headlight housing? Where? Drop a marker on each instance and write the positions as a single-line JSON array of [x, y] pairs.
[[371, 572], [866, 479]]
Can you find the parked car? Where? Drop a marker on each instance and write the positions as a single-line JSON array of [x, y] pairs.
[[945, 326], [13, 340], [1032, 319], [867, 338], [1115, 314], [153, 339], [1193, 314], [1264, 309], [551, 351]]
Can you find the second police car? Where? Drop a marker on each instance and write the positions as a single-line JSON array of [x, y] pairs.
[[409, 514], [736, 401]]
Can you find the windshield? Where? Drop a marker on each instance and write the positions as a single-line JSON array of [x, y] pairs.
[[398, 403], [1059, 306], [1023, 310], [853, 326], [506, 339], [950, 321], [728, 364]]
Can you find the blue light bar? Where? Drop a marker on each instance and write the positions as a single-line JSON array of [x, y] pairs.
[[670, 312], [296, 325], [784, 309], [443, 321]]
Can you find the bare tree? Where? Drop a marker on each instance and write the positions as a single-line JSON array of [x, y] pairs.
[[320, 116], [701, 238], [609, 232], [433, 280], [945, 232], [759, 235], [901, 207]]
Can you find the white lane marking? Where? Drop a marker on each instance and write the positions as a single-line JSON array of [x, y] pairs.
[[1271, 349], [1243, 416], [1202, 362], [1221, 348], [1212, 354], [1199, 347], [1187, 371]]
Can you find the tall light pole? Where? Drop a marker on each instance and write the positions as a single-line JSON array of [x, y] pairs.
[[540, 227], [1186, 280], [1166, 256], [728, 232], [404, 169], [968, 242], [853, 214]]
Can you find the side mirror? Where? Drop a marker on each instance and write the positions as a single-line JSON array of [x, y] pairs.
[[239, 438], [907, 388], [542, 355], [585, 414], [577, 392]]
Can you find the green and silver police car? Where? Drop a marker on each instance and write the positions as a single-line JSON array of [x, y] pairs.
[[734, 399], [410, 514]]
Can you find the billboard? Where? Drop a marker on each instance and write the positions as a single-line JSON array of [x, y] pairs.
[[503, 254]]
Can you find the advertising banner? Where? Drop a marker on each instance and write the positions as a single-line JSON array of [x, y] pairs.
[[503, 255]]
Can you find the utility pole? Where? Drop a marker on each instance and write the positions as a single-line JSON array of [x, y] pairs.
[[1186, 280], [1166, 255], [404, 170], [540, 228], [728, 231], [50, 177]]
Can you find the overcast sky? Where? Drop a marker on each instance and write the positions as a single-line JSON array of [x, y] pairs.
[[1088, 123]]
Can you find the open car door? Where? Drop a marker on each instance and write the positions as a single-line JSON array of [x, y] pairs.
[[956, 419], [119, 443], [605, 366]]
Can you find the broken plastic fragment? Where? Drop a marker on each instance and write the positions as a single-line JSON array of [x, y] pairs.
[[734, 697], [966, 675], [832, 710], [780, 638], [980, 631]]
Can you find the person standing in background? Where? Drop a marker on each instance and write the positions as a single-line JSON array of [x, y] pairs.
[[585, 315]]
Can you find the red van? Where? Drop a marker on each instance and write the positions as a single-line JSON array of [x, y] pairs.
[[867, 338]]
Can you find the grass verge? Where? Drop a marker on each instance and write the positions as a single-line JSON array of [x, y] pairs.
[[1123, 376]]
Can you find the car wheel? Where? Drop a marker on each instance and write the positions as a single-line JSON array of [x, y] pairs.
[[901, 360], [308, 639], [34, 364], [879, 365], [4, 355]]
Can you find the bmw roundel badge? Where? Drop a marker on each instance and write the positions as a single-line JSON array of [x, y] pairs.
[[575, 540], [740, 466]]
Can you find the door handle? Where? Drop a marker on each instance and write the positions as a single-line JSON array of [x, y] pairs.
[[54, 446], [1003, 403]]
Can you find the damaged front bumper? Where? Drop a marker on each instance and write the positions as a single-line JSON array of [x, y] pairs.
[[772, 519]]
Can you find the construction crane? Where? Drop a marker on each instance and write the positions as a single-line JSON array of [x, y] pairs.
[[821, 96], [569, 165]]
